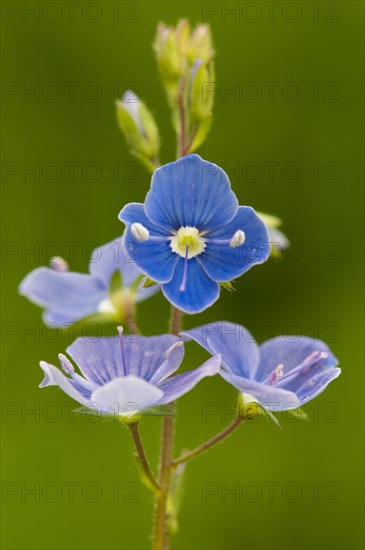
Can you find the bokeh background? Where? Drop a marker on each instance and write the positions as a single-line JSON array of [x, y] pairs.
[[295, 152]]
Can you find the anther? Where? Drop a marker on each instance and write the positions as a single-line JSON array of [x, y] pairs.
[[140, 232], [238, 238]]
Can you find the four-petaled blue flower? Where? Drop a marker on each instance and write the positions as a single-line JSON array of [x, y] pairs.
[[281, 374], [68, 297], [190, 234], [127, 375]]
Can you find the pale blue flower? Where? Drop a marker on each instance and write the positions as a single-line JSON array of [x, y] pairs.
[[68, 297], [282, 373], [126, 375]]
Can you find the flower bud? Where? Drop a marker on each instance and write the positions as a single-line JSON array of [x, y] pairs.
[[139, 127], [278, 240], [201, 46]]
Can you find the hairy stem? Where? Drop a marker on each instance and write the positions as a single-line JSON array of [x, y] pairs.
[[207, 444], [142, 457], [161, 534]]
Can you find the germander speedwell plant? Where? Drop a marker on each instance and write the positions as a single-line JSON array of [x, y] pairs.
[[189, 239]]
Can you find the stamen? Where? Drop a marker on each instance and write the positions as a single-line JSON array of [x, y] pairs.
[[312, 359], [275, 375], [173, 348], [238, 238], [58, 264], [66, 364], [122, 349], [185, 273], [140, 232]]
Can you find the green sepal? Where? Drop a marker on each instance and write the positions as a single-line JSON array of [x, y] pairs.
[[228, 285], [136, 283], [199, 109], [149, 282], [143, 139], [133, 419], [269, 220], [200, 134], [158, 410], [116, 282], [251, 410], [298, 413]]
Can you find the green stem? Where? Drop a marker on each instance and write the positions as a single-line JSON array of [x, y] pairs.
[[142, 457], [182, 118], [207, 444], [161, 533]]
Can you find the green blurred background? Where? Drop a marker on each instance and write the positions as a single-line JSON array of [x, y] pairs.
[[315, 467]]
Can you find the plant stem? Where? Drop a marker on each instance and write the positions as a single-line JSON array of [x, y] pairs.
[[204, 446], [175, 321], [142, 457], [182, 117], [161, 534]]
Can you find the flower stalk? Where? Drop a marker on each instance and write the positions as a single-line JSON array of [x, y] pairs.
[[185, 457], [161, 533], [152, 483]]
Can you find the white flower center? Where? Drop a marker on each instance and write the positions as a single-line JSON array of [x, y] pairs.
[[187, 237], [107, 306]]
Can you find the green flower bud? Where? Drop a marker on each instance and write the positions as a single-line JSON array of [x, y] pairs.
[[201, 46], [279, 241], [139, 127], [202, 74]]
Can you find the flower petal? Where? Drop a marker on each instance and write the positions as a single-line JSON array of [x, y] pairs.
[[315, 385], [224, 263], [289, 351], [71, 296], [147, 354], [176, 386], [101, 360], [174, 356], [125, 396], [107, 259], [270, 397], [156, 259], [190, 192], [239, 351], [54, 377], [200, 291]]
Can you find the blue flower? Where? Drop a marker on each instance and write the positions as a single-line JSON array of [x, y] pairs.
[[190, 234], [68, 297], [283, 373], [126, 375]]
